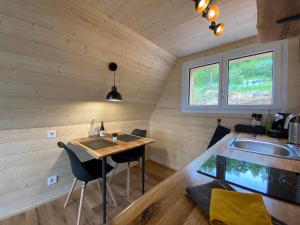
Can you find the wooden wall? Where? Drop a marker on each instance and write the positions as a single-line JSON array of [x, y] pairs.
[[53, 74], [293, 103], [183, 136], [27, 159], [54, 57]]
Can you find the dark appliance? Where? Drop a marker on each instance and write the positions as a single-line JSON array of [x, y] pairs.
[[279, 127], [273, 182]]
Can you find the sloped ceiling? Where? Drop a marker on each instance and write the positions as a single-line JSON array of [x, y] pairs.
[[174, 25]]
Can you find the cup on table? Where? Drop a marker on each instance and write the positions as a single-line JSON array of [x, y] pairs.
[[114, 137]]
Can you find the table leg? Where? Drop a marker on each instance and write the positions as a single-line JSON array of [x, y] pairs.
[[104, 161], [143, 172]]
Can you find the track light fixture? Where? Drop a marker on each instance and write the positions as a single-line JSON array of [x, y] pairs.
[[201, 5], [217, 28], [211, 12]]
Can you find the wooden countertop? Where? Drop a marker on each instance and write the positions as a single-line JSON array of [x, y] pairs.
[[167, 203]]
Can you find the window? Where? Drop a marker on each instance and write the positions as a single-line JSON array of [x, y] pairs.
[[250, 80], [241, 80], [204, 85]]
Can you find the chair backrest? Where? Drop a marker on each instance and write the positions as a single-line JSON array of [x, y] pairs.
[[138, 152], [140, 133], [77, 168], [134, 154]]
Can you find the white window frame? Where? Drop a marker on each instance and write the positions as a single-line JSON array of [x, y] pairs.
[[279, 49]]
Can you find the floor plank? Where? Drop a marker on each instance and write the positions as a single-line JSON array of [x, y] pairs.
[[54, 213]]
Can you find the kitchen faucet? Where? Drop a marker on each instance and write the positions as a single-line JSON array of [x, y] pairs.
[[288, 119]]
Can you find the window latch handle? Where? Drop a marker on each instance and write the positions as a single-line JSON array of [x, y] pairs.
[[223, 94]]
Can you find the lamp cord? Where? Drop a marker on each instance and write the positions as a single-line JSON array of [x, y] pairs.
[[114, 78]]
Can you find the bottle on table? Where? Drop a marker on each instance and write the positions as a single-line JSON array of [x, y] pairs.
[[102, 130]]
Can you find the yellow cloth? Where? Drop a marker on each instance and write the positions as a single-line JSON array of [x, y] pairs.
[[234, 208]]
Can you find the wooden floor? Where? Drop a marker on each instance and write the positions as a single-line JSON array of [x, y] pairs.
[[54, 213]]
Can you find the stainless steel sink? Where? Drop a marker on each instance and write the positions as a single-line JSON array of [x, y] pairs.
[[265, 148]]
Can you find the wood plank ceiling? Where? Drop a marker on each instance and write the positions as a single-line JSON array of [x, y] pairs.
[[174, 25]]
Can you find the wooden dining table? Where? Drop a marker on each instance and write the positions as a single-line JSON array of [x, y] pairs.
[[103, 147]]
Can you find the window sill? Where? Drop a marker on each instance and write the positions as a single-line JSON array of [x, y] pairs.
[[232, 111]]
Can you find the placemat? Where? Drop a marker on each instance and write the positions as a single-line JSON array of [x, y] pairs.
[[128, 138], [98, 144]]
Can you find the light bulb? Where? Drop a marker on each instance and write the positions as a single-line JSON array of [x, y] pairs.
[[219, 29], [213, 13], [201, 5]]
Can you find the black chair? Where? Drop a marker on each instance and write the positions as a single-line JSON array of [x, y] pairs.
[[219, 133], [129, 156], [85, 172]]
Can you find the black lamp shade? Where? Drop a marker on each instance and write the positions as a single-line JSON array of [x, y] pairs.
[[114, 95]]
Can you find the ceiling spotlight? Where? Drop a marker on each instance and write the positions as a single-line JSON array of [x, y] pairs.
[[212, 14], [217, 28], [201, 5]]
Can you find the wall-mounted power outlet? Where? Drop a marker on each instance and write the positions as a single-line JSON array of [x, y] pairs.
[[52, 180], [51, 134]]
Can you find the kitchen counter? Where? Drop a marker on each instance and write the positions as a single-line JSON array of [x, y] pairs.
[[167, 203]]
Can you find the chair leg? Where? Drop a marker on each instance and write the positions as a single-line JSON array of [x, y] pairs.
[[80, 203], [128, 180], [70, 192], [112, 195], [110, 179]]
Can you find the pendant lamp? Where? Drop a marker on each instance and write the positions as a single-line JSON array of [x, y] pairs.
[[114, 95]]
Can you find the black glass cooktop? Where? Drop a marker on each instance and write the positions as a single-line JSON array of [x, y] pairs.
[[277, 183]]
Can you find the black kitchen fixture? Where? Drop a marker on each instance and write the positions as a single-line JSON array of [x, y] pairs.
[[274, 182], [211, 12], [217, 28], [114, 95]]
